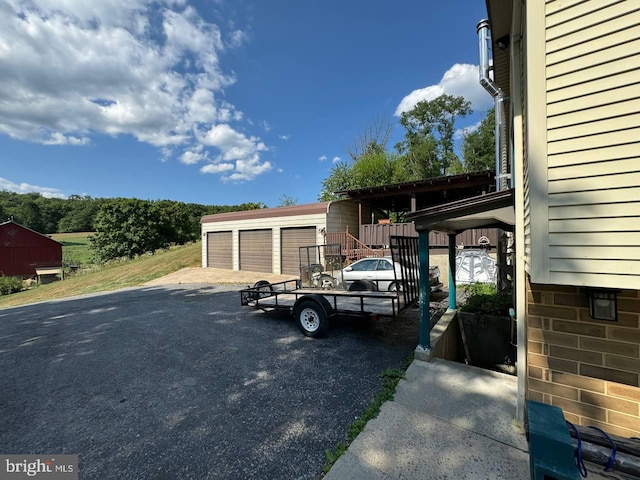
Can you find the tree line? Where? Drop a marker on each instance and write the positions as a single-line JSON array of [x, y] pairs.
[[426, 151], [123, 227]]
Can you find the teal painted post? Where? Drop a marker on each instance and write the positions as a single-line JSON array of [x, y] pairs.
[[452, 271], [425, 290]]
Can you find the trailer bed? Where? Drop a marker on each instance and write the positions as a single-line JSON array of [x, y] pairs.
[[285, 295]]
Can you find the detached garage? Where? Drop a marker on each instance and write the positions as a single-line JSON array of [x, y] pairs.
[[268, 240]]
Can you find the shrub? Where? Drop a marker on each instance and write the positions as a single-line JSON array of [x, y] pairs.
[[485, 299], [9, 285]]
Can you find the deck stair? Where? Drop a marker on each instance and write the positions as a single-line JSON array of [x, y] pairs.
[[352, 248]]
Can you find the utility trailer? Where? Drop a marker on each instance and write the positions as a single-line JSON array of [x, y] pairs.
[[313, 309], [318, 295]]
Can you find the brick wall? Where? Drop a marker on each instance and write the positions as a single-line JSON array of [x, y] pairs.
[[589, 368]]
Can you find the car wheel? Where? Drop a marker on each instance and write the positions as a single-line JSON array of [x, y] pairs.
[[396, 287], [311, 319], [363, 286]]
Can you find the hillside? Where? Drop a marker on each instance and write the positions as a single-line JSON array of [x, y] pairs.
[[112, 277]]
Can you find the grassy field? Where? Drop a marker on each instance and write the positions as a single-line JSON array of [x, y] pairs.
[[126, 274], [75, 247]]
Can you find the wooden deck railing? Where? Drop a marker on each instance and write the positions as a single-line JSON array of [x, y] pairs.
[[352, 248]]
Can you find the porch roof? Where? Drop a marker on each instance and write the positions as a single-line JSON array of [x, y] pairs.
[[492, 210], [419, 194]]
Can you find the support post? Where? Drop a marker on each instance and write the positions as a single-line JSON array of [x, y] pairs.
[[423, 351], [452, 271]]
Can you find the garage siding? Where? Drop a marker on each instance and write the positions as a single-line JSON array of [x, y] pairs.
[[219, 250], [256, 250], [291, 239]]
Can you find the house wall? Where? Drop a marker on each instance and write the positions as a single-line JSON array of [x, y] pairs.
[[583, 142], [589, 368]]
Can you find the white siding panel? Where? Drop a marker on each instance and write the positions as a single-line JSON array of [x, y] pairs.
[[602, 126], [624, 224], [595, 155], [601, 196], [596, 12], [602, 253], [593, 59], [626, 165], [602, 35], [562, 11], [628, 209], [615, 109], [606, 97], [615, 67], [631, 135], [589, 86], [595, 183], [595, 239], [590, 265], [593, 279]]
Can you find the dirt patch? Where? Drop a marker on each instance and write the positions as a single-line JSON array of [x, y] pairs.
[[219, 276]]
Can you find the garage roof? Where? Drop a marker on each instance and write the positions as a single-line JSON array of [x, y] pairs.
[[307, 209]]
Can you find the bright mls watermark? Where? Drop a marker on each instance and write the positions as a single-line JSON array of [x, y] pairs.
[[49, 467]]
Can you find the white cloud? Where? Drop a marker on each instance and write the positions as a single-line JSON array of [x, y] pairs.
[[461, 132], [459, 80], [74, 69], [27, 188], [237, 38], [236, 147], [323, 158], [217, 167], [284, 137], [336, 159]]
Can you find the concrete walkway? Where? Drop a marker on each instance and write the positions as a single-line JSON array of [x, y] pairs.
[[447, 420]]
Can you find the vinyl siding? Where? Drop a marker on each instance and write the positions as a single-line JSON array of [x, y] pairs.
[[526, 230], [592, 179]]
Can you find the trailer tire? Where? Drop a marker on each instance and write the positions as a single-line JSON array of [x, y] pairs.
[[312, 319], [363, 286], [263, 289]]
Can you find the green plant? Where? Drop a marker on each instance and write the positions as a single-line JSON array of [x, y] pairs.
[[390, 379], [9, 285], [485, 299]]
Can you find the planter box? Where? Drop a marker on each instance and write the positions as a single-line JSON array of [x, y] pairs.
[[487, 341]]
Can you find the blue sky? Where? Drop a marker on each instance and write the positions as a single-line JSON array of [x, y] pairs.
[[216, 101]]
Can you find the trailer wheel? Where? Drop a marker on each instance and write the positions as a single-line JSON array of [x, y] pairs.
[[262, 289], [312, 319], [363, 286]]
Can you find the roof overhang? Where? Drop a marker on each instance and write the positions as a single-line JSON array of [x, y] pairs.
[[492, 210]]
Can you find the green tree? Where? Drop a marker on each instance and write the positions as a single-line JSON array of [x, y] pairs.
[[339, 179], [429, 131], [127, 228], [478, 147]]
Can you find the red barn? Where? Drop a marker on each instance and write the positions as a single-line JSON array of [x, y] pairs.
[[22, 251]]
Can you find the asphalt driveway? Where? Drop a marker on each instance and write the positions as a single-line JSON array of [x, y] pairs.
[[183, 383]]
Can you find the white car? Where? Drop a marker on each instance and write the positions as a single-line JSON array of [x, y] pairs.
[[380, 273]]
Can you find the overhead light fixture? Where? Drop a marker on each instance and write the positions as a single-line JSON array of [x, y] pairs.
[[503, 43], [603, 304]]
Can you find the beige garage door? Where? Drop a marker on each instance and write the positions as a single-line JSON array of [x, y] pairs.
[[219, 250], [291, 240], [256, 251]]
